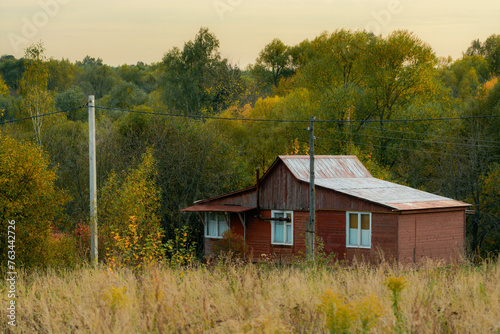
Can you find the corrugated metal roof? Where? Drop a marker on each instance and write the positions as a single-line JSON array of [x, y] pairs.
[[390, 194], [346, 174], [217, 208], [326, 166]]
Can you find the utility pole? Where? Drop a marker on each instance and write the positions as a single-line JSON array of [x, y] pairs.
[[312, 197], [93, 183]]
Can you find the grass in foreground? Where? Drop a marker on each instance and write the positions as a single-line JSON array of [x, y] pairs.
[[230, 298]]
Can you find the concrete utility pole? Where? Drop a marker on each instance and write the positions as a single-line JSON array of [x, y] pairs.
[[312, 196], [93, 183]]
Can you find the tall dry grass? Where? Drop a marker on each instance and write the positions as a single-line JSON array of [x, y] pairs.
[[228, 298]]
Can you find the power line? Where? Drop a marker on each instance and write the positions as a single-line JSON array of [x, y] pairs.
[[42, 115], [206, 117], [404, 149], [415, 140], [300, 121], [257, 119], [429, 134]]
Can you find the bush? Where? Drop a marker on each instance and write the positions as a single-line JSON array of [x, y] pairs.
[[180, 250], [29, 197], [130, 249], [232, 245]]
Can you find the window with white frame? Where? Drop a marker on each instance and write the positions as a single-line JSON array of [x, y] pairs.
[[282, 230], [215, 224], [359, 229]]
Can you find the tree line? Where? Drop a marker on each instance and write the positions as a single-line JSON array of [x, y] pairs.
[[150, 166]]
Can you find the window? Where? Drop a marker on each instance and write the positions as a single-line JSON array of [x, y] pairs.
[[359, 229], [215, 224], [281, 230]]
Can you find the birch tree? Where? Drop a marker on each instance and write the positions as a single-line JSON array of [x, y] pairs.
[[36, 99]]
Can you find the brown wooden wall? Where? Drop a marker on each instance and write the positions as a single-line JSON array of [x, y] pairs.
[[243, 198], [280, 190], [438, 235]]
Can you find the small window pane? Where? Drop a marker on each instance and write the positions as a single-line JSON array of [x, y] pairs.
[[289, 233], [353, 220], [278, 232], [365, 222], [365, 237], [222, 225], [353, 236], [212, 228]]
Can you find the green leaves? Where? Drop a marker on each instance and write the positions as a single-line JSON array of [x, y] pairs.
[[29, 196]]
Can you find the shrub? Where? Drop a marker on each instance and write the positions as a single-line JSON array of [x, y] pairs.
[[342, 317], [231, 245], [61, 249], [180, 250], [29, 197], [130, 249]]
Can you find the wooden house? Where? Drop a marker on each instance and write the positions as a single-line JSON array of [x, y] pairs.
[[356, 214]]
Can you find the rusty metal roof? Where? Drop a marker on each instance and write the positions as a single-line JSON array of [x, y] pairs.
[[326, 166], [346, 174], [217, 208]]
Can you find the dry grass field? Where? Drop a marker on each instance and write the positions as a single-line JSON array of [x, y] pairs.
[[246, 298]]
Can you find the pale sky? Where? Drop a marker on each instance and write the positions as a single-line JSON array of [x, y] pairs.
[[126, 31]]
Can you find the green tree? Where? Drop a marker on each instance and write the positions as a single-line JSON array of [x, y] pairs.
[[492, 53], [66, 142], [28, 196], [141, 75], [95, 78], [135, 194], [196, 80], [4, 89], [69, 99], [490, 50], [12, 70], [125, 95], [36, 99], [401, 71], [62, 75], [273, 63], [465, 76]]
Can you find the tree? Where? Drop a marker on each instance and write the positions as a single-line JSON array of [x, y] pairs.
[[492, 54], [12, 70], [29, 197], [95, 78], [465, 75], [399, 71], [196, 80], [273, 63], [135, 194], [490, 50], [4, 90], [70, 99], [36, 99], [125, 95], [62, 75]]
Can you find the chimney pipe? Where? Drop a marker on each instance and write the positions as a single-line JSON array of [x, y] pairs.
[[257, 187]]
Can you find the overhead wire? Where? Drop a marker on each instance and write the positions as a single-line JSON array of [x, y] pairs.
[[428, 134], [41, 115], [412, 139], [304, 121]]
